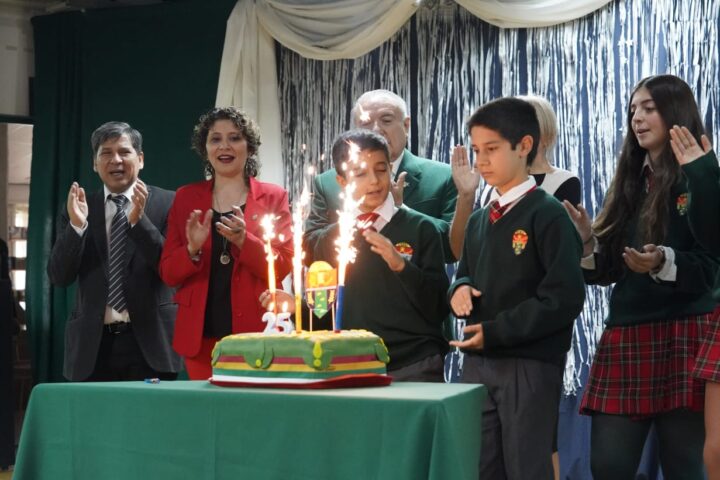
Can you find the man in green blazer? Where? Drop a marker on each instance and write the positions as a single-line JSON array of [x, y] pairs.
[[421, 184]]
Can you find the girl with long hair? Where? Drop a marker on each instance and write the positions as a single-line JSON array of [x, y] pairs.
[[660, 307]]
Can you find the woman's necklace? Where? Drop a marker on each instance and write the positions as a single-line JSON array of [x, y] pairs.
[[225, 255]]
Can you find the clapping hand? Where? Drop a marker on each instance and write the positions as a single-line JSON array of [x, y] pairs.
[[461, 300], [476, 342], [139, 197], [197, 229], [647, 260], [583, 224], [77, 207], [233, 227]]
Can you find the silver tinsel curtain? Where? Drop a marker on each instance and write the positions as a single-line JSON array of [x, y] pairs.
[[445, 62]]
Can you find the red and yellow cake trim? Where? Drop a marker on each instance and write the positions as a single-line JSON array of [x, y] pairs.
[[298, 357]]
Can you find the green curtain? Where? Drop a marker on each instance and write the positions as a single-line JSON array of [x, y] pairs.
[[155, 67]]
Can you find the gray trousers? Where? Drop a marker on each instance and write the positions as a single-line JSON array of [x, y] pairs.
[[519, 416], [429, 369]]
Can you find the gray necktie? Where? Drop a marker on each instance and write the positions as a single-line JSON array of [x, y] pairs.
[[118, 234]]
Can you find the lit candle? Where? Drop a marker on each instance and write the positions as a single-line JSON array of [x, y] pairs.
[[299, 214], [268, 225], [346, 227]]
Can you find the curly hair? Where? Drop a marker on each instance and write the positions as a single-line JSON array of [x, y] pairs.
[[247, 126]]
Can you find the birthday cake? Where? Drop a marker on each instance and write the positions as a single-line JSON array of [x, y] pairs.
[[318, 359]]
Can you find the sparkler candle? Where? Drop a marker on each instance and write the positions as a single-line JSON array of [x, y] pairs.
[[346, 224], [268, 225], [299, 214]]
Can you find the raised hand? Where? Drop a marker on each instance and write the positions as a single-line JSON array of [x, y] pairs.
[[197, 229], [647, 260], [396, 188], [77, 207], [464, 175], [233, 227], [139, 198], [685, 147], [384, 247], [461, 301]]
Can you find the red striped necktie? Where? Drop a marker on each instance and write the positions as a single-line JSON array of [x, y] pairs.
[[496, 211], [648, 177], [365, 221]]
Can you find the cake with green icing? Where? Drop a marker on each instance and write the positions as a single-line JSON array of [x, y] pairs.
[[297, 358]]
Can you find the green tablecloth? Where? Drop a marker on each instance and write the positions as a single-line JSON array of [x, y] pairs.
[[194, 430]]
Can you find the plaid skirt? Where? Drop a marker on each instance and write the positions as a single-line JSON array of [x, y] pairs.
[[645, 370], [707, 365]]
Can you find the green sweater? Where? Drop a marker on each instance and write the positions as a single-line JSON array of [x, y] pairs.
[[527, 266], [637, 298], [405, 309], [703, 177]]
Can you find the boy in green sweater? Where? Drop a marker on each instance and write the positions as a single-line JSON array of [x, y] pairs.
[[395, 288], [520, 285]]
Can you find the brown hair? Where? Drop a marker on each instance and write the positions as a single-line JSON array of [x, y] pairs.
[[625, 199], [246, 125]]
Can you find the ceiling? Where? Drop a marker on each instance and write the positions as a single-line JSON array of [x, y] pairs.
[[52, 6]]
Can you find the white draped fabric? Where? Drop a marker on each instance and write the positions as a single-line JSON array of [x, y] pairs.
[[248, 79], [530, 13], [329, 30]]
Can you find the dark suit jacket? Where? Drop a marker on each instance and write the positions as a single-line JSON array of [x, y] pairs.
[[149, 300], [250, 268], [429, 190]]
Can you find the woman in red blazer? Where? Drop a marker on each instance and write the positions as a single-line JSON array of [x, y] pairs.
[[214, 253]]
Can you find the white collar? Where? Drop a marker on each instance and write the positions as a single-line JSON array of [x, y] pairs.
[[647, 163], [395, 166], [386, 210], [127, 193], [517, 191]]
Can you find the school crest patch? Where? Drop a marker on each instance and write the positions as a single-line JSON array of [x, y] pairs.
[[681, 203], [519, 241], [404, 249]]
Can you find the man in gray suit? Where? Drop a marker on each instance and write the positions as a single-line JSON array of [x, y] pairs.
[[421, 184], [110, 242]]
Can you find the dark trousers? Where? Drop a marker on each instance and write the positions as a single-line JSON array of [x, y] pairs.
[[429, 369], [120, 359], [617, 441], [519, 416]]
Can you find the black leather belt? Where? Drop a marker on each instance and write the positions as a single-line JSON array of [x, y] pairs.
[[116, 328]]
